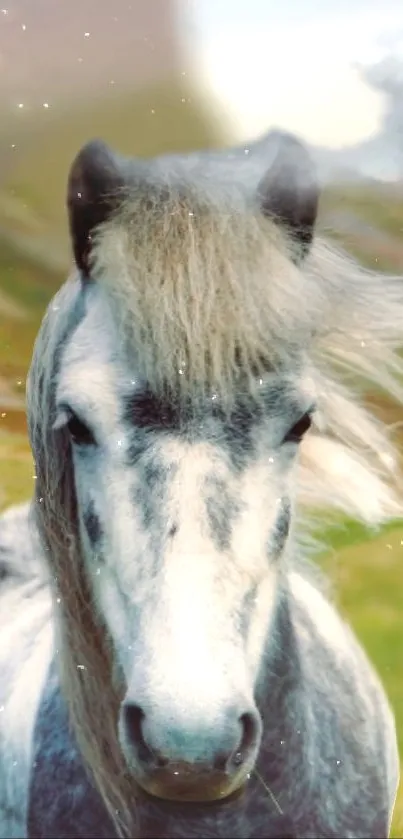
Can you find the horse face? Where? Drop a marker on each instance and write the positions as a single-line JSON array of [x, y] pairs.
[[183, 519]]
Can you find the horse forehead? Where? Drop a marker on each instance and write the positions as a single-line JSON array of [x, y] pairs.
[[196, 459], [89, 379]]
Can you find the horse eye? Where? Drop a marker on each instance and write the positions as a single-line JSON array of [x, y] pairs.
[[79, 432], [298, 431]]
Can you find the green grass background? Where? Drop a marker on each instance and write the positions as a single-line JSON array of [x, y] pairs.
[[366, 568]]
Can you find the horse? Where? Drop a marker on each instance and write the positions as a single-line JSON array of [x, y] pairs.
[[171, 661]]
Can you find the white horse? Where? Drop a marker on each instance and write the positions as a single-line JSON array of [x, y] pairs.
[[169, 665]]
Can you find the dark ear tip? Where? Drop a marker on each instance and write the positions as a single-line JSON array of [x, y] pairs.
[[295, 154], [94, 158], [93, 151], [289, 191], [94, 184]]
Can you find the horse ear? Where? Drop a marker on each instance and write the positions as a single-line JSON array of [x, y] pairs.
[[94, 183], [289, 191]]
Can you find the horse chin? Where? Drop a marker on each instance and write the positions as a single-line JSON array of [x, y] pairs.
[[184, 784]]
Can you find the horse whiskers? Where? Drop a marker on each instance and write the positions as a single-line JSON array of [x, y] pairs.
[[269, 791]]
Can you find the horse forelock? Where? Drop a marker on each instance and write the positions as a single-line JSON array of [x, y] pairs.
[[206, 290]]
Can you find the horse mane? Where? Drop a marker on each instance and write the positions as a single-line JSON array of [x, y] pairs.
[[208, 295]]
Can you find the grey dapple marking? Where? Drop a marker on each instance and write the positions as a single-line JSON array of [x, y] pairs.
[[221, 509], [187, 406], [92, 525]]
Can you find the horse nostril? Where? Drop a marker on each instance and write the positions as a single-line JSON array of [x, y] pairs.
[[133, 717], [250, 734], [221, 761], [249, 726]]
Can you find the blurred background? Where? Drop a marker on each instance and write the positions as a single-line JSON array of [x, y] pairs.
[[157, 75]]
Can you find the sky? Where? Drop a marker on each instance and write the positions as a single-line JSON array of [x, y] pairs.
[[293, 63]]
